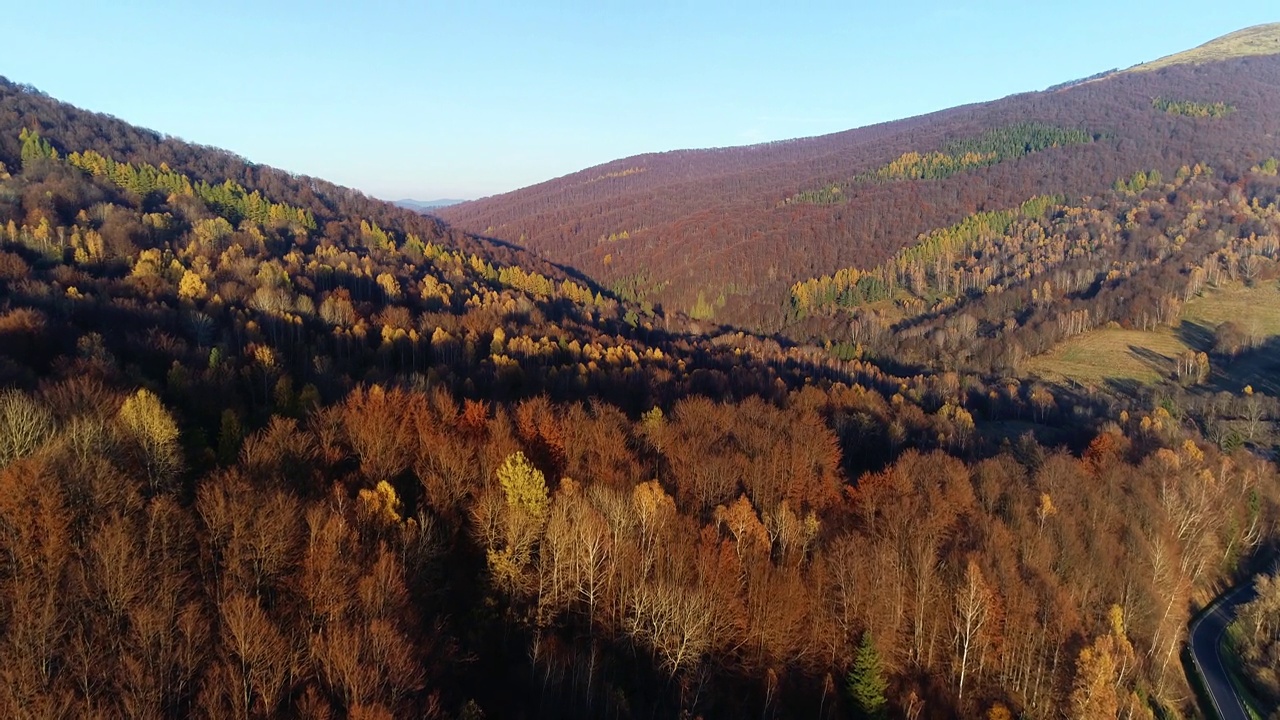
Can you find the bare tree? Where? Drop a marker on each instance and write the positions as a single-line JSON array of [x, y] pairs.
[[25, 425], [972, 609]]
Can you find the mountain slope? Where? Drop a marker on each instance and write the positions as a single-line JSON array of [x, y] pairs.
[[269, 448], [723, 234], [73, 129]]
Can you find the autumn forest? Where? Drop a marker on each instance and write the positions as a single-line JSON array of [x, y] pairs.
[[272, 448]]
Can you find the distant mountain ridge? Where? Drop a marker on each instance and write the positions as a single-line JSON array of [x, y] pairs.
[[423, 205], [723, 234]]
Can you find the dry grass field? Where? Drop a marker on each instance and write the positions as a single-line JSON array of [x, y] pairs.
[[1256, 310], [1110, 354], [1149, 357]]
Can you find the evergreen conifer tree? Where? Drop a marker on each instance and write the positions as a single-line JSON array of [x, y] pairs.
[[866, 683]]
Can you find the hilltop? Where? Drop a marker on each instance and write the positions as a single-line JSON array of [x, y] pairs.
[[1256, 40]]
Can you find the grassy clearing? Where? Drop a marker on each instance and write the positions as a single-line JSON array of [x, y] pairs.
[[1150, 357], [1111, 354], [1256, 40], [1256, 310]]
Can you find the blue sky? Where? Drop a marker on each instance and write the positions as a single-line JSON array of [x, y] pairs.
[[465, 99]]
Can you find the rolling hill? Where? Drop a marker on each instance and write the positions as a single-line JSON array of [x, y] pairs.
[[723, 234]]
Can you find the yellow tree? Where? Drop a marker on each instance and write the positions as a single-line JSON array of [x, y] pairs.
[[1093, 695], [512, 525], [191, 286], [524, 486], [380, 506], [154, 433]]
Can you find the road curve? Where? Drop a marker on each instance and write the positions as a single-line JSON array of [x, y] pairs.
[[1206, 642]]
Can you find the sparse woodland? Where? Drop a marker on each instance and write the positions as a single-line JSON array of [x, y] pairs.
[[269, 448]]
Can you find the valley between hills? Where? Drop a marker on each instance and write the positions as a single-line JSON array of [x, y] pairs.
[[963, 415]]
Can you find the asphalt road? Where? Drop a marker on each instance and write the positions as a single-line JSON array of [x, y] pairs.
[[1206, 641]]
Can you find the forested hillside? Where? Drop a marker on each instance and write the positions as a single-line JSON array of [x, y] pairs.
[[1000, 286], [270, 448], [722, 234]]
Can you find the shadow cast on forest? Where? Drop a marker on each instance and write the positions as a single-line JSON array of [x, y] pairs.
[[1258, 368]]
